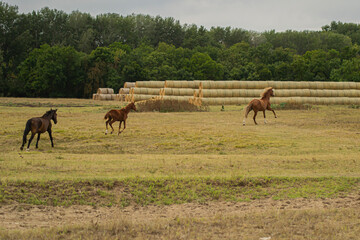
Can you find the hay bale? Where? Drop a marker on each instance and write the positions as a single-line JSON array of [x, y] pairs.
[[177, 98], [104, 97], [140, 97], [102, 91], [129, 84], [181, 84], [178, 91], [149, 84], [124, 90], [146, 91]]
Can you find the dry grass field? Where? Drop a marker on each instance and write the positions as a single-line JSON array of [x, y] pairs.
[[184, 175]]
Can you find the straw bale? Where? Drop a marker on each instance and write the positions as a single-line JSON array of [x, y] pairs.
[[129, 84], [94, 96], [146, 91], [105, 96], [140, 97], [178, 98], [179, 91], [150, 84], [181, 84], [102, 91], [124, 90]]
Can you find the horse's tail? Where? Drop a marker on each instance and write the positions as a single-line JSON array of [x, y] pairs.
[[26, 132], [107, 115], [247, 110]]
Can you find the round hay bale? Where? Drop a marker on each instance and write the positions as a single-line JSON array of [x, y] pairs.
[[181, 84], [140, 97], [150, 84], [102, 91], [124, 90], [147, 91], [129, 84], [104, 97]]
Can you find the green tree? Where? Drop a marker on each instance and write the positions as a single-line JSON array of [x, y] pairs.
[[52, 72], [204, 68], [348, 71]]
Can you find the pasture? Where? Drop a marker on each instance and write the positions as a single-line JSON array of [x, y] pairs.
[[180, 175]]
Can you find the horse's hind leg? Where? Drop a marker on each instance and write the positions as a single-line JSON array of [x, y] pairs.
[[255, 113], [37, 141], [31, 138], [24, 141], [107, 122], [110, 123]]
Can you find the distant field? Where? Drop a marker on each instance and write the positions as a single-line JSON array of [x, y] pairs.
[[172, 159]]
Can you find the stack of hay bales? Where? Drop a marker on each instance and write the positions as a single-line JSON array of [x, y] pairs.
[[104, 94], [144, 90], [242, 92]]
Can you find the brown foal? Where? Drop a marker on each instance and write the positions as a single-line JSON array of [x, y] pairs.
[[260, 104], [118, 115]]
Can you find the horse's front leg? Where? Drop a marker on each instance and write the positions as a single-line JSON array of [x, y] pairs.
[[264, 117], [119, 127], [274, 113], [37, 141], [270, 109], [51, 138]]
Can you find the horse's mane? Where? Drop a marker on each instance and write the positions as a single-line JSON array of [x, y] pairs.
[[48, 113], [266, 90], [127, 107]]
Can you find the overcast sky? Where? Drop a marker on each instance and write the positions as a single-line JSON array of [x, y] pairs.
[[257, 15]]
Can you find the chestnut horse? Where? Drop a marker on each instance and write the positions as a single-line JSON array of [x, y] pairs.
[[260, 104], [118, 115], [39, 125]]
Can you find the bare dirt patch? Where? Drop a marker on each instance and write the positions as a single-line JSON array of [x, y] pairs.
[[23, 216]]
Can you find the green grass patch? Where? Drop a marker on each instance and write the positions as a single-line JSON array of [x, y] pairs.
[[166, 191]]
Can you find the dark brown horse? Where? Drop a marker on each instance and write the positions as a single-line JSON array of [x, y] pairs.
[[39, 125], [118, 115], [260, 104]]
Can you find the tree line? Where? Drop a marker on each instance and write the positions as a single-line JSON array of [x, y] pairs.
[[50, 53]]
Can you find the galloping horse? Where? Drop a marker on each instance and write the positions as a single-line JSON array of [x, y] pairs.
[[39, 125], [118, 115], [260, 104]]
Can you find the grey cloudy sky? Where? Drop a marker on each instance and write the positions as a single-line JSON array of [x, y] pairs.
[[257, 15]]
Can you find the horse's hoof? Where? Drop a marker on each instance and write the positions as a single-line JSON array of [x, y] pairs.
[[27, 149], [21, 148]]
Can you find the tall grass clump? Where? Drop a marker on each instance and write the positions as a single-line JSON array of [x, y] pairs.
[[168, 105]]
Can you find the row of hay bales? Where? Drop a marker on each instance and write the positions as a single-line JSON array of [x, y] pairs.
[[196, 84], [241, 92], [104, 94]]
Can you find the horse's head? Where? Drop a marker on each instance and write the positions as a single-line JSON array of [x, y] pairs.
[[132, 106], [268, 92], [54, 115]]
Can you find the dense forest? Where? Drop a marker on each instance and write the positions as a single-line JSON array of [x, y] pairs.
[[50, 53]]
